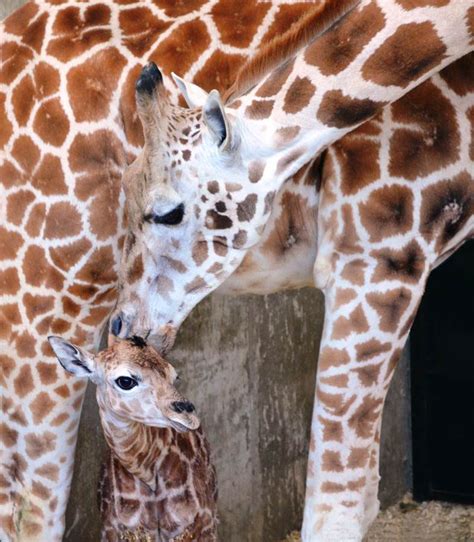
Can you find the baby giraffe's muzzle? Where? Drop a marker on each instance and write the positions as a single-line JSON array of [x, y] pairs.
[[182, 406], [182, 415]]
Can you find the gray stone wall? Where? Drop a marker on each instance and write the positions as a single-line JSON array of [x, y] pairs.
[[249, 365]]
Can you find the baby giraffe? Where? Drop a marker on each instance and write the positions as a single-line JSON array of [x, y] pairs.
[[158, 484]]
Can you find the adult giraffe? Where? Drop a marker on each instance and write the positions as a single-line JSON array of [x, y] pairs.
[[67, 129], [201, 193]]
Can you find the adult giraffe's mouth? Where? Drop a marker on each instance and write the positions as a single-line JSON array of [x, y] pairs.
[[164, 340]]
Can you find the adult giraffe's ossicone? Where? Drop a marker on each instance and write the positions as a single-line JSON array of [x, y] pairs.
[[201, 194]]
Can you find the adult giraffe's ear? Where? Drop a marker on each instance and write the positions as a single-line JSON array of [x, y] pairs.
[[217, 121], [195, 96], [72, 358]]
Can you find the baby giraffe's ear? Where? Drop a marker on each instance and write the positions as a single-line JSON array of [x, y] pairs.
[[72, 358]]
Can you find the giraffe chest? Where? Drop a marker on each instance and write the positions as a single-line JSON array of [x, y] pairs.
[[285, 256]]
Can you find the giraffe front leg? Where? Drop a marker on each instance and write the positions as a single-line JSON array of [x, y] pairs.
[[40, 407], [39, 420], [367, 321]]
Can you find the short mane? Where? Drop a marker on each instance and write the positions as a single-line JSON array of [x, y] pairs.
[[137, 341], [284, 47]]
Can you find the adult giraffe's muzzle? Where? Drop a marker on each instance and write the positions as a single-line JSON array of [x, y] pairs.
[[124, 326]]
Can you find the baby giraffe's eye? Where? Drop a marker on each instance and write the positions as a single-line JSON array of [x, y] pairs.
[[126, 382]]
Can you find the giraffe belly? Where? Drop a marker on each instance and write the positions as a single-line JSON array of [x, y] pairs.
[[262, 274]]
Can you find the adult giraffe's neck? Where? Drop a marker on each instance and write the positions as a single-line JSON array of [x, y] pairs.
[[138, 447], [372, 56]]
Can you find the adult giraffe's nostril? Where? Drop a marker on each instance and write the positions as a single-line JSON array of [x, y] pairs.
[[182, 406], [116, 325]]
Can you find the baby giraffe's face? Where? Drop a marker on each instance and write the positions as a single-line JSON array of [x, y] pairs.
[[133, 381]]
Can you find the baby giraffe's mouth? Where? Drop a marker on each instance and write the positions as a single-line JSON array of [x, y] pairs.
[[185, 423], [180, 427], [182, 417]]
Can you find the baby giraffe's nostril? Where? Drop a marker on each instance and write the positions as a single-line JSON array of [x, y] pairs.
[[182, 406], [116, 326]]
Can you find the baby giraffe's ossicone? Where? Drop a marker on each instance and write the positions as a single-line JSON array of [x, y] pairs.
[[158, 484]]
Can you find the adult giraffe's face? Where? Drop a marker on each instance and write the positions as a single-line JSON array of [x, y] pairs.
[[192, 211]]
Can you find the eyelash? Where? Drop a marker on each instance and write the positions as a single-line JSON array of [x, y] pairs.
[[173, 218]]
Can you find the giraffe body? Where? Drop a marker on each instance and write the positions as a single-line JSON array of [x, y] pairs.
[[204, 187], [221, 168], [158, 483], [66, 71]]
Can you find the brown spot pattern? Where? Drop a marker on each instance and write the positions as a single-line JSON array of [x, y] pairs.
[[275, 80], [446, 207], [183, 47], [91, 84], [356, 322], [331, 461], [219, 71], [388, 211], [51, 122], [246, 208], [431, 139], [259, 109], [406, 264], [298, 95], [75, 33], [340, 111], [237, 27], [370, 349], [364, 418], [458, 75], [335, 50], [369, 374], [390, 307], [411, 51], [358, 159], [62, 220]]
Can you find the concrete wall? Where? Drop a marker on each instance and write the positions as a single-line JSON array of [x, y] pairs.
[[249, 365]]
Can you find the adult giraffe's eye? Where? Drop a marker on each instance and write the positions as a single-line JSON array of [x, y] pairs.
[[172, 218], [126, 382]]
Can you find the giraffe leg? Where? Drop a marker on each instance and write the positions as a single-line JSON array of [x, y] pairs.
[[366, 326], [40, 412], [39, 429], [371, 500]]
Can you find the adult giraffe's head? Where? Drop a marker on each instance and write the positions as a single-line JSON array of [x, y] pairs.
[[193, 205]]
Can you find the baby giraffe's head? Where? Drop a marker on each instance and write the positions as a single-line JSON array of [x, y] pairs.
[[133, 382]]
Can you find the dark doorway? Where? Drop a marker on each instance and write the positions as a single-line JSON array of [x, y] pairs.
[[442, 371]]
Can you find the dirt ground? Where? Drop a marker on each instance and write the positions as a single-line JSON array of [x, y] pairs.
[[409, 521]]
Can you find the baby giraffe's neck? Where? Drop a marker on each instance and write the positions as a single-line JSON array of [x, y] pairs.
[[139, 447]]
